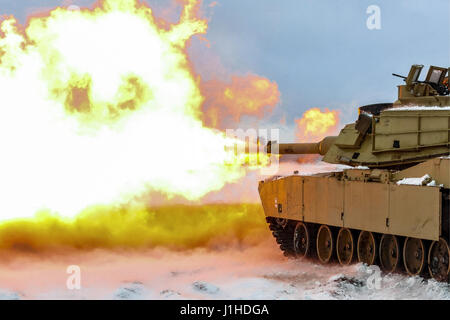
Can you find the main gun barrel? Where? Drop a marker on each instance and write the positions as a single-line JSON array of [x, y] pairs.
[[321, 147]]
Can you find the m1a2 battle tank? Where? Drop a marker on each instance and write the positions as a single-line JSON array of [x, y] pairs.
[[391, 207]]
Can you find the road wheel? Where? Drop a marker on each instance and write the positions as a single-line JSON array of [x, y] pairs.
[[324, 244], [389, 252], [438, 260], [367, 248], [414, 256], [345, 246], [302, 238]]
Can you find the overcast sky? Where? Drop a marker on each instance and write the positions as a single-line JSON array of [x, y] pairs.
[[320, 53]]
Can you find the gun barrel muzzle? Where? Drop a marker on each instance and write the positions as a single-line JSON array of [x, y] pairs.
[[321, 147]]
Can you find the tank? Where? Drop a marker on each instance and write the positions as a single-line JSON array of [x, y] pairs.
[[390, 206]]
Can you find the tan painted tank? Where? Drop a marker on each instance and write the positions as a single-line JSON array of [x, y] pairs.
[[393, 207]]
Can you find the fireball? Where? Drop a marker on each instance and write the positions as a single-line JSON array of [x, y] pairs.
[[100, 106]]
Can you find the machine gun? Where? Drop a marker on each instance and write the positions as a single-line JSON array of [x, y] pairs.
[[399, 76], [434, 79]]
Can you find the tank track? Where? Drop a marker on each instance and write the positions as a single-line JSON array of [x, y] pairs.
[[283, 231], [283, 234]]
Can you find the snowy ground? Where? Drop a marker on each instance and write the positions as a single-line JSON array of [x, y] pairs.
[[252, 273]]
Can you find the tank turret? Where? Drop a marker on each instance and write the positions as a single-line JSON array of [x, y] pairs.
[[414, 128]]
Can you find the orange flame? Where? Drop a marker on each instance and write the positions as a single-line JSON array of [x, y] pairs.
[[314, 126], [250, 95]]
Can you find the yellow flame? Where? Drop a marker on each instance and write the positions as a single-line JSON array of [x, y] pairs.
[[99, 106], [173, 227]]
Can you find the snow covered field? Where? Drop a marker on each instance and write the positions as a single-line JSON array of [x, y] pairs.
[[259, 272]]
